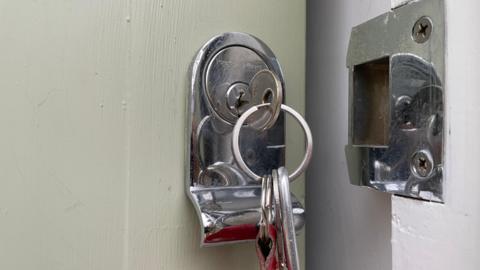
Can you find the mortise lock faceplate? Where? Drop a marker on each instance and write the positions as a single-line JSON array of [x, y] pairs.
[[396, 101]]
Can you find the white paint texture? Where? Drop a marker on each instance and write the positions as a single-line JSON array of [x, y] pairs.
[[93, 113], [436, 236], [348, 227]]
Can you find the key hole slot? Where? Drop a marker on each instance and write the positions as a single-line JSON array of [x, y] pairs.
[[268, 96]]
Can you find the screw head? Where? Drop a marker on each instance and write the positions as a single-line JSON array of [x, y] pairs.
[[422, 164], [422, 29]]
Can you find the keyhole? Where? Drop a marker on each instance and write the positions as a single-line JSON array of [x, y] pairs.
[[267, 96], [422, 163], [240, 101]]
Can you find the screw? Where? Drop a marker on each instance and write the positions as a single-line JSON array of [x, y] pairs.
[[422, 163], [422, 29], [238, 97]]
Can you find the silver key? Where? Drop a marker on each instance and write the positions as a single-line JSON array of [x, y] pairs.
[[264, 242], [286, 239]]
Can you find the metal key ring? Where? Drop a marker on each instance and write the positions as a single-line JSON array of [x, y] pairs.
[[284, 218], [236, 148], [266, 217]]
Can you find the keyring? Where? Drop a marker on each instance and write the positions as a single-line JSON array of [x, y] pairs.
[[297, 116], [266, 217]]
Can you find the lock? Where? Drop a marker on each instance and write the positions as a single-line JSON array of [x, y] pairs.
[[237, 78], [231, 74], [396, 101]]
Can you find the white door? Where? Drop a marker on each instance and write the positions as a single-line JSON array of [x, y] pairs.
[[93, 115], [357, 228], [447, 236]]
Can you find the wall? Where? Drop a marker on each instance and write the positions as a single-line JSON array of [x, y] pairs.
[[93, 114], [447, 236], [163, 228], [348, 227]]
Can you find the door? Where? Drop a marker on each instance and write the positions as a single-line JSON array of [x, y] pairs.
[[92, 151], [357, 228]]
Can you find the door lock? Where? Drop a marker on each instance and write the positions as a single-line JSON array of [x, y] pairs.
[[236, 84]]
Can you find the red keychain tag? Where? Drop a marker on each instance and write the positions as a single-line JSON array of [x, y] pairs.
[[267, 249]]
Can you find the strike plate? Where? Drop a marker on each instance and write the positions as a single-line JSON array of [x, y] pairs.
[[396, 101]]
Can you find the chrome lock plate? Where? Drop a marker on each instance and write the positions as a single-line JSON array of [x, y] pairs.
[[396, 101], [232, 73]]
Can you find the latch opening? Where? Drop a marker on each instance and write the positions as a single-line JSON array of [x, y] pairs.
[[371, 109]]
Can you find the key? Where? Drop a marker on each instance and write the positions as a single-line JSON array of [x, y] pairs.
[[266, 239], [286, 239]]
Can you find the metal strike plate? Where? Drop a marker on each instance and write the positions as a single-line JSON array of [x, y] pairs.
[[224, 77], [396, 101]]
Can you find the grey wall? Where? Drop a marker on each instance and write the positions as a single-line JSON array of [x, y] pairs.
[[348, 227]]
